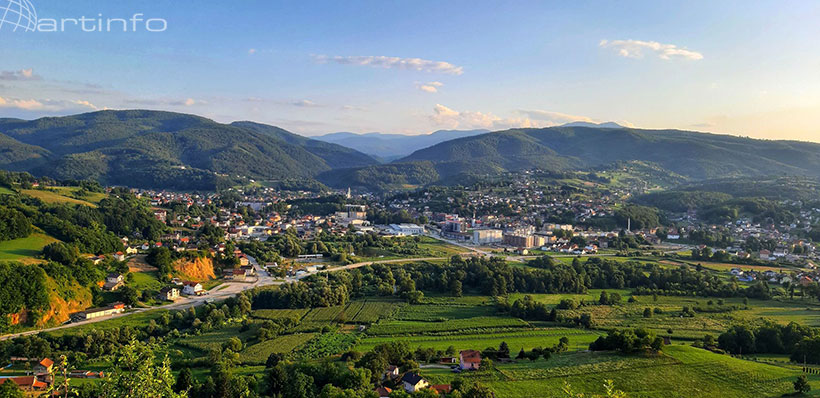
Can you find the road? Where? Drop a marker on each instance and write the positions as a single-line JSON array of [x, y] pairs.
[[223, 291], [230, 289]]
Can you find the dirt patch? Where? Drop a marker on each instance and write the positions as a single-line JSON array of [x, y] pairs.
[[138, 264], [199, 270]]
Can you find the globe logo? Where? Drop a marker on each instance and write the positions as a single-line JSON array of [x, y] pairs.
[[17, 14]]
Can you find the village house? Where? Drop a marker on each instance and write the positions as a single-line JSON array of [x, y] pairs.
[[383, 392], [413, 382], [44, 367], [119, 256], [168, 294], [391, 373], [442, 389], [469, 359], [113, 282], [26, 383], [192, 288], [86, 374]]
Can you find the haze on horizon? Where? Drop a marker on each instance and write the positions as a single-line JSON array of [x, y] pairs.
[[748, 69]]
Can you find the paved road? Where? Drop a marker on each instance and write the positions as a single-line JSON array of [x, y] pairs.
[[223, 291]]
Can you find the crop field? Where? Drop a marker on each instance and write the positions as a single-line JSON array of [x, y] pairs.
[[328, 344], [371, 311], [437, 313], [680, 371], [553, 299], [295, 315], [579, 339], [213, 340], [396, 328], [259, 353]]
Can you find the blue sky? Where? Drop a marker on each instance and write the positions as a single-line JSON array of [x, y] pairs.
[[414, 67]]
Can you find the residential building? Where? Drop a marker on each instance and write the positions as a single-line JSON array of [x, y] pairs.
[[487, 236], [469, 359], [192, 288], [168, 293], [413, 382], [26, 383], [44, 366], [113, 282]]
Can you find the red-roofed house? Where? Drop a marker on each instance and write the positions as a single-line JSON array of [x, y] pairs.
[[383, 392], [442, 389], [26, 383], [44, 366], [469, 359]]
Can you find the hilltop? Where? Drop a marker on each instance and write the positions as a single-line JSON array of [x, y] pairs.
[[153, 149], [685, 154]]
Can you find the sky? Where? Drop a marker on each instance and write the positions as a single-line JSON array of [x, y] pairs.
[[412, 67]]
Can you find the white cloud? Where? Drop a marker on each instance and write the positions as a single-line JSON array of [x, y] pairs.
[[636, 48], [252, 51], [449, 118], [380, 61], [46, 104], [305, 103], [22, 74], [429, 87]]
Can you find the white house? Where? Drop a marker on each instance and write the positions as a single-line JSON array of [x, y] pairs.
[[413, 382], [192, 288]]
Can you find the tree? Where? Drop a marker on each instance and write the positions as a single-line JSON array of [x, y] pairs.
[[521, 354], [129, 295], [801, 385], [185, 381], [478, 390], [136, 375], [647, 313], [9, 389]]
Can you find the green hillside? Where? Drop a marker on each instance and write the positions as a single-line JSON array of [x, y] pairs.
[[163, 150], [693, 155]]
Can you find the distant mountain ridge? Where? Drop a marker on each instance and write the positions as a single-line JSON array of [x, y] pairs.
[[155, 149], [691, 155], [393, 146]]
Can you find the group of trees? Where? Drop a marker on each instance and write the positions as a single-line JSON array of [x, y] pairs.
[[13, 224], [802, 343], [628, 341]]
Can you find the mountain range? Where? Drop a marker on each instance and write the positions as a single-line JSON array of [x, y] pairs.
[[390, 147], [153, 149], [692, 155]]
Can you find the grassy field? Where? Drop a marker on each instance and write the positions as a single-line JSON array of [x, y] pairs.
[[527, 339], [213, 340], [146, 280], [259, 353], [486, 323], [54, 197], [680, 371], [24, 248], [132, 320]]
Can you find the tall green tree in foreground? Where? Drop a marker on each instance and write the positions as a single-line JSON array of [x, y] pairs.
[[136, 375]]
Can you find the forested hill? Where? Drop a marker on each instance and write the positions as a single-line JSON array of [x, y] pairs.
[[164, 150], [691, 154]]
